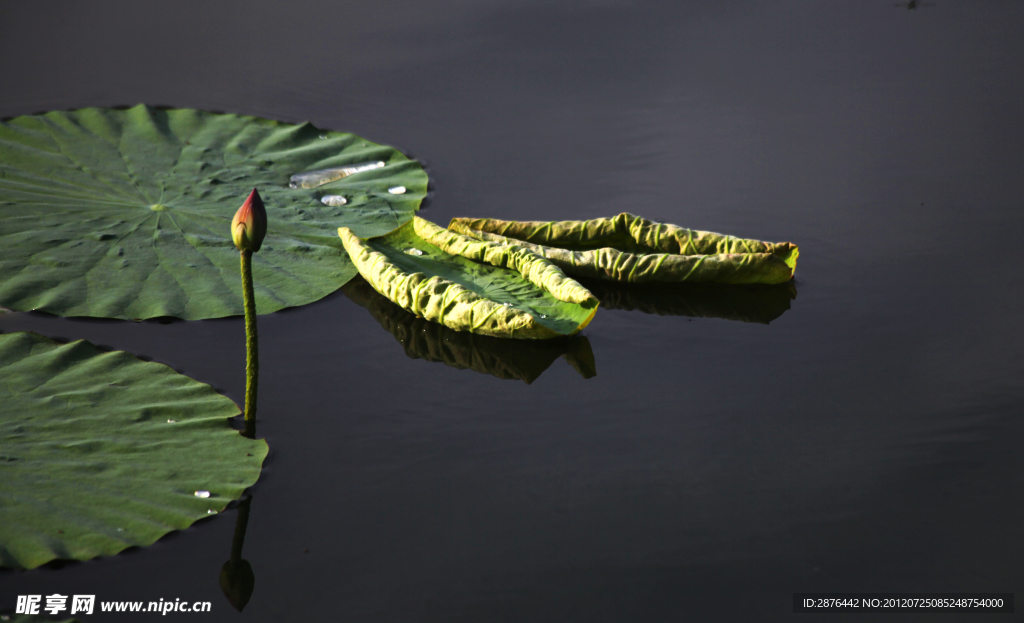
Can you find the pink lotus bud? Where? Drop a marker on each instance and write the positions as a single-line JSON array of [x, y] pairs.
[[250, 224]]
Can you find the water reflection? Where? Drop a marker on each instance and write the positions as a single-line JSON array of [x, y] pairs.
[[746, 303], [236, 577], [911, 5], [523, 360]]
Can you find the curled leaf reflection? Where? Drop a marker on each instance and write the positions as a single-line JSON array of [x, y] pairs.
[[236, 577], [523, 360], [746, 303]]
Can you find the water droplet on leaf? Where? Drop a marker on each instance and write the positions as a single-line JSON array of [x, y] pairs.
[[414, 252], [202, 494], [397, 190], [312, 179], [333, 200]]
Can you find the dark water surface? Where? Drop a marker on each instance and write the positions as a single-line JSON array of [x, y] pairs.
[[867, 439]]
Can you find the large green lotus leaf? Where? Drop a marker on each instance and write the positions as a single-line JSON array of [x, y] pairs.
[[631, 249], [126, 213], [503, 291], [523, 360], [101, 451]]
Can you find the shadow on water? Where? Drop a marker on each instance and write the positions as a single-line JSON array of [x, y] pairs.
[[746, 303], [236, 577], [523, 360]]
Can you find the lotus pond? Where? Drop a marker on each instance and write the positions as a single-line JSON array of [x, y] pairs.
[[698, 451]]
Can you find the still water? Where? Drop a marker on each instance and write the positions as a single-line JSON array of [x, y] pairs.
[[696, 455]]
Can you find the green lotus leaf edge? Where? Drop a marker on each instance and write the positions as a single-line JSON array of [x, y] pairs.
[[101, 451]]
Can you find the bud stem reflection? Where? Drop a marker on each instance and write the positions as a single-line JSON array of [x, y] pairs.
[[237, 580]]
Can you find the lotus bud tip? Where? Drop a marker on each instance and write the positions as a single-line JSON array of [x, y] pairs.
[[249, 226]]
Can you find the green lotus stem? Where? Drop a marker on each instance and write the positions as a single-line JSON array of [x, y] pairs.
[[248, 229], [252, 355]]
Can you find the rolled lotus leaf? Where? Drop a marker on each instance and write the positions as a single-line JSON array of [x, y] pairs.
[[522, 360], [464, 295], [534, 268], [629, 248]]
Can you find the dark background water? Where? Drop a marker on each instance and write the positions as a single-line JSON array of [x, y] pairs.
[[868, 439]]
